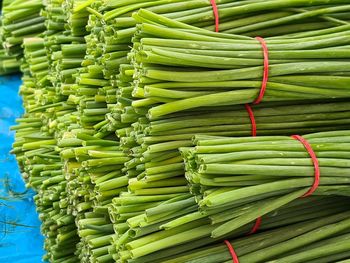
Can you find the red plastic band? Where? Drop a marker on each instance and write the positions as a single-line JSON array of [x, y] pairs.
[[216, 14], [266, 70], [256, 226], [252, 118], [315, 162], [232, 252]]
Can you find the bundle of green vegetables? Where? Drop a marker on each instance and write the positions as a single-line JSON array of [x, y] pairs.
[[39, 160], [43, 100], [164, 191], [257, 19], [73, 131], [272, 18], [49, 110], [8, 64], [182, 69], [262, 173], [321, 240], [35, 146], [143, 243], [117, 28], [20, 19], [93, 171]]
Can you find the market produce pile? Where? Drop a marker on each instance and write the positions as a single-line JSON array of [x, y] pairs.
[[149, 137]]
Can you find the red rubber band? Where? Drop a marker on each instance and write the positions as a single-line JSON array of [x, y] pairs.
[[315, 162], [266, 70], [216, 15], [256, 226], [252, 118], [232, 252]]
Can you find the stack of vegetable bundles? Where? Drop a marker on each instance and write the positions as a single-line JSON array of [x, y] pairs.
[[151, 138]]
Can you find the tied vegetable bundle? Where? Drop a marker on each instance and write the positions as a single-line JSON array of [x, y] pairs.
[[113, 29], [180, 69], [261, 174], [85, 158], [8, 63], [39, 160], [240, 17], [181, 234], [319, 240], [20, 19], [270, 119], [178, 219]]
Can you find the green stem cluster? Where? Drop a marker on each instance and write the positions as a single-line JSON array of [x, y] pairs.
[[262, 173], [316, 240]]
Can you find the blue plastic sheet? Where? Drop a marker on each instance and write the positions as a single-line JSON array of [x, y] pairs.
[[20, 238]]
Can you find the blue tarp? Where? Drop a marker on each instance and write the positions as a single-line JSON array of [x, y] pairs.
[[20, 238]]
